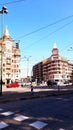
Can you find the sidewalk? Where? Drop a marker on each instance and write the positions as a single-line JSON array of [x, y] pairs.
[[16, 94]]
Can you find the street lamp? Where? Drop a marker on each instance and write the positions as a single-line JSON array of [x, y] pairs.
[[27, 58], [2, 11]]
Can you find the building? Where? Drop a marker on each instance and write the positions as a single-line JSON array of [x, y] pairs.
[[38, 72], [9, 58], [55, 68]]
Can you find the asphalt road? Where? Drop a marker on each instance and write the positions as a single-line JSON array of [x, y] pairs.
[[36, 88], [25, 89], [51, 113]]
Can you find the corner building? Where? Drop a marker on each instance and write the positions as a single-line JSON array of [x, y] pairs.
[[55, 68], [9, 58]]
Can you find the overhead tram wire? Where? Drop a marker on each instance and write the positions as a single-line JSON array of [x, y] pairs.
[[13, 2], [44, 27], [39, 29], [58, 29], [66, 46], [30, 33]]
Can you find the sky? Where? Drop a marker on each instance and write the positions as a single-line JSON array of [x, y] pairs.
[[38, 24]]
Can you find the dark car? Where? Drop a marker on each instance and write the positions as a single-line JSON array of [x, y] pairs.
[[2, 82], [12, 85], [51, 82], [68, 82]]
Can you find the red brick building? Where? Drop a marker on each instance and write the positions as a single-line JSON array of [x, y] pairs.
[[55, 67]]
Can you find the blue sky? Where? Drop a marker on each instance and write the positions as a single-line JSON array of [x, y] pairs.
[[28, 16]]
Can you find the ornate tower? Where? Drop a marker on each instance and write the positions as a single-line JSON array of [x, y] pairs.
[[55, 50], [10, 58]]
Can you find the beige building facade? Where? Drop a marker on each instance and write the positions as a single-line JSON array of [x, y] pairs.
[[55, 68], [9, 58]]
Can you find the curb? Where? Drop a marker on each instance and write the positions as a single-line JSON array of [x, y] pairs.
[[28, 95]]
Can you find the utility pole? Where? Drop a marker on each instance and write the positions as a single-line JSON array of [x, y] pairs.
[[27, 59]]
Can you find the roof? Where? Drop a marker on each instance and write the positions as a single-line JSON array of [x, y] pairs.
[[55, 45], [6, 32]]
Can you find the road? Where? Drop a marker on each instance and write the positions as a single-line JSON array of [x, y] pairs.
[[51, 113], [36, 88], [27, 89]]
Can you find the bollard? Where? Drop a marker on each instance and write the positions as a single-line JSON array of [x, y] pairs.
[[31, 90]]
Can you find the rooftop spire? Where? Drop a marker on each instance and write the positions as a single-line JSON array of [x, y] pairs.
[[55, 45], [6, 32]]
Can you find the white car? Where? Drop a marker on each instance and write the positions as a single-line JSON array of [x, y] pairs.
[[27, 83], [22, 84]]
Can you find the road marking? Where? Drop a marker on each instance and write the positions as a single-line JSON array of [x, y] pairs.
[[38, 124], [21, 118], [1, 109], [3, 125], [61, 129], [7, 113]]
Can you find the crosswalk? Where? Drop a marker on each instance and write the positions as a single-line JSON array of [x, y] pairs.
[[3, 125], [37, 124]]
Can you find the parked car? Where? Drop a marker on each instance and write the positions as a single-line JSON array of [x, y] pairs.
[[2, 82], [23, 84], [27, 83], [68, 82], [12, 85], [51, 82]]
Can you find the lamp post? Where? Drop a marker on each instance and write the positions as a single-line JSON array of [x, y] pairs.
[[2, 11], [27, 58]]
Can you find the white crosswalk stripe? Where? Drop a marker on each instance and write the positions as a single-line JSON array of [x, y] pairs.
[[21, 118], [3, 125], [36, 124], [7, 113]]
